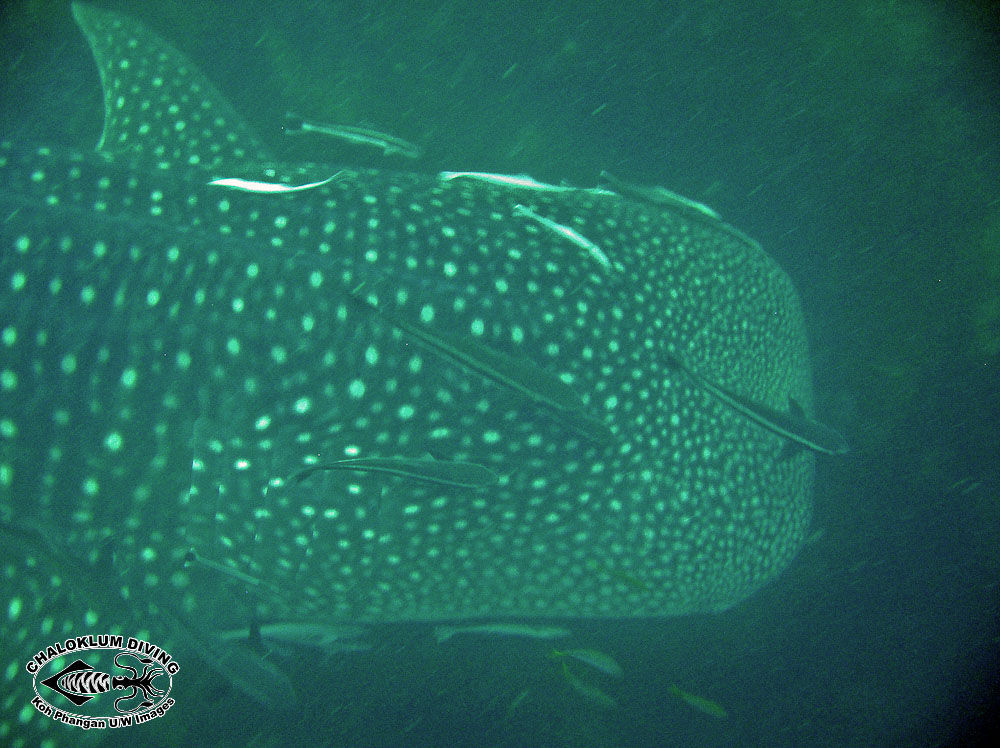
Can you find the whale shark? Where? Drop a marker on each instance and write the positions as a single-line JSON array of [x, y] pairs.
[[375, 396]]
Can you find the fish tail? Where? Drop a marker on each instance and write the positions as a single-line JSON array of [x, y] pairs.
[[443, 633]]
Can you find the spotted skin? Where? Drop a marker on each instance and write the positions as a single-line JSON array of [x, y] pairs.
[[173, 352]]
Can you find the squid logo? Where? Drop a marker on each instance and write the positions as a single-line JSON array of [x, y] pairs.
[[139, 676], [79, 683]]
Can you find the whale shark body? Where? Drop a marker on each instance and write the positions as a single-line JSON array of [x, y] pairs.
[[179, 360]]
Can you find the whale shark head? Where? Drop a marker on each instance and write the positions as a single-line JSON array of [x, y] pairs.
[[387, 397]]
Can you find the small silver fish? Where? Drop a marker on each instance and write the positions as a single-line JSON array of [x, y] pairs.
[[597, 660], [589, 691], [518, 700], [706, 706]]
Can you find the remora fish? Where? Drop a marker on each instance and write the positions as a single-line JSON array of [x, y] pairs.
[[444, 633], [657, 195], [536, 384], [512, 181], [248, 185], [794, 424], [566, 232], [389, 144], [443, 472], [138, 302]]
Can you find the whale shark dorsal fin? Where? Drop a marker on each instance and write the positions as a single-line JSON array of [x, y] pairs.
[[157, 104]]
